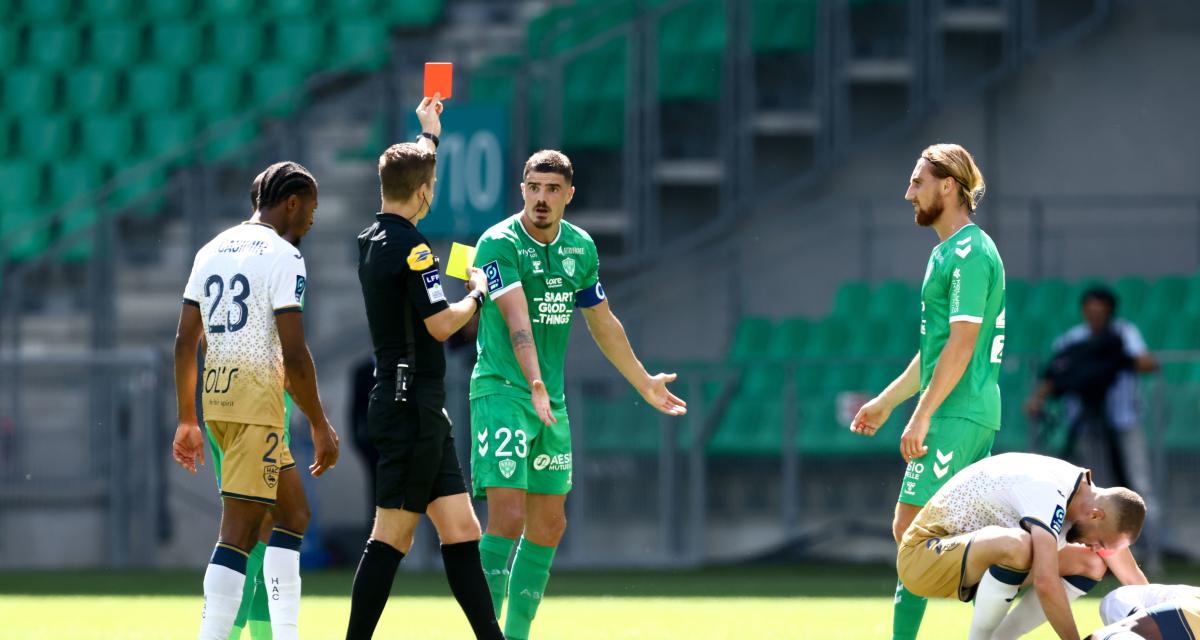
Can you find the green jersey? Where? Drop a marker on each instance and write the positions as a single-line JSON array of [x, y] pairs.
[[965, 282], [556, 278]]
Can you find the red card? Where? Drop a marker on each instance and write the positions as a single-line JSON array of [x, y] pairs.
[[439, 78]]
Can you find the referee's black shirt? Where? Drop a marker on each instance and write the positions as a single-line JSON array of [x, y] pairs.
[[396, 268]]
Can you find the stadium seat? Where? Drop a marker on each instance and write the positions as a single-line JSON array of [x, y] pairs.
[[7, 137], [360, 43], [1164, 297], [178, 44], [238, 43], [1131, 293], [749, 428], [867, 337], [47, 11], [115, 45], [850, 301], [30, 91], [231, 8], [893, 300], [53, 46], [1026, 337], [74, 178], [153, 89], [229, 141], [300, 43], [90, 90], [750, 339], [140, 192], [215, 90], [762, 381], [1016, 296], [46, 137], [107, 9], [167, 134], [108, 138], [787, 340], [21, 236], [76, 227], [10, 45], [276, 86], [1049, 300], [691, 39], [414, 12], [783, 25], [293, 8], [1182, 417], [168, 9], [22, 184], [826, 338], [360, 8]]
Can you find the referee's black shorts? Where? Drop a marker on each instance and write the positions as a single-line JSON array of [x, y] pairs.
[[417, 462]]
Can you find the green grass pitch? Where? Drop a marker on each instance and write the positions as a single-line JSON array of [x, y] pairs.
[[809, 601]]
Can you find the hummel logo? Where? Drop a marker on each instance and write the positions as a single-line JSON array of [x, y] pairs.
[[483, 443], [963, 252], [966, 240], [941, 470], [944, 458]]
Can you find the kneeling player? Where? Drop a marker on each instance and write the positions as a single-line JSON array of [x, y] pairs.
[[1149, 616]]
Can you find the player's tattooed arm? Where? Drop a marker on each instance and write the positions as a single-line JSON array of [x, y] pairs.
[[515, 310]]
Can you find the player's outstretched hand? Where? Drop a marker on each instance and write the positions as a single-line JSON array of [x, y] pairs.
[[870, 417], [325, 449], [541, 403], [188, 447], [912, 441], [657, 395], [429, 114]]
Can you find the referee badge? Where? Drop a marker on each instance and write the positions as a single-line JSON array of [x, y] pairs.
[[507, 467], [420, 258]]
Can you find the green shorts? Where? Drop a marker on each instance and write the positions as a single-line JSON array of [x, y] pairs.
[[511, 448], [954, 443]]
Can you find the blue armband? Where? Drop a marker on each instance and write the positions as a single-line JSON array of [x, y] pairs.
[[590, 296]]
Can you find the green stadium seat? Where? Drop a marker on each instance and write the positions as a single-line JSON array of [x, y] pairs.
[[53, 46], [762, 382], [749, 428], [538, 32], [1182, 333], [691, 39], [90, 90], [107, 9], [167, 134], [108, 138], [21, 237], [10, 45], [22, 184], [178, 44], [1131, 293], [140, 192], [363, 7], [115, 45], [845, 376], [1049, 300], [44, 10], [1164, 297], [868, 337], [30, 91], [1191, 296], [300, 43], [750, 339], [168, 9], [277, 86], [784, 25], [787, 340], [413, 12], [153, 89], [231, 8], [238, 43], [1182, 432], [47, 137], [850, 301], [826, 338], [894, 300], [1154, 330], [215, 90], [74, 178], [77, 229], [230, 140], [493, 82], [8, 141], [294, 8], [360, 43], [1016, 296], [1026, 337]]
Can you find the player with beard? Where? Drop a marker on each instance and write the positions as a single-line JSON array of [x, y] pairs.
[[962, 340]]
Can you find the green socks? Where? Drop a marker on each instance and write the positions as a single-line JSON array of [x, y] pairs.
[[260, 611], [494, 552], [530, 572], [907, 613]]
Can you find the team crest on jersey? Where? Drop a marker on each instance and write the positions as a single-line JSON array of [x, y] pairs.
[[569, 266], [271, 475], [420, 258], [300, 284], [507, 467]]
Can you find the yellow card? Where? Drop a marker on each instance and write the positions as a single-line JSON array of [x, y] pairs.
[[461, 257]]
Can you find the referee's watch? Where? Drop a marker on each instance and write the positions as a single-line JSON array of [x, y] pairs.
[[477, 296]]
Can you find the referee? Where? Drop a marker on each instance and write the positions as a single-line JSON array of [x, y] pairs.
[[409, 317]]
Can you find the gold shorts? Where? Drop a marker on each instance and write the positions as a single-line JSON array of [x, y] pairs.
[[935, 567], [253, 456]]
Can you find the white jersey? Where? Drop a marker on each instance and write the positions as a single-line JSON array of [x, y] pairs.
[[240, 281], [1013, 490], [1128, 600]]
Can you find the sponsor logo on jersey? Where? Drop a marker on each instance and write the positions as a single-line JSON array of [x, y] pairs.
[[545, 462], [554, 283], [1056, 523], [537, 266], [507, 467], [566, 251], [541, 462], [271, 475], [527, 252], [554, 308], [955, 290], [300, 284], [420, 258], [433, 286], [494, 281], [569, 266], [219, 380]]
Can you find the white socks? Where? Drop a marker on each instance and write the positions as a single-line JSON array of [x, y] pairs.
[[222, 598], [281, 570], [1028, 614], [995, 594]]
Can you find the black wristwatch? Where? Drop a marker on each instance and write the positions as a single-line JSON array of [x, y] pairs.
[[477, 296], [426, 134]]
